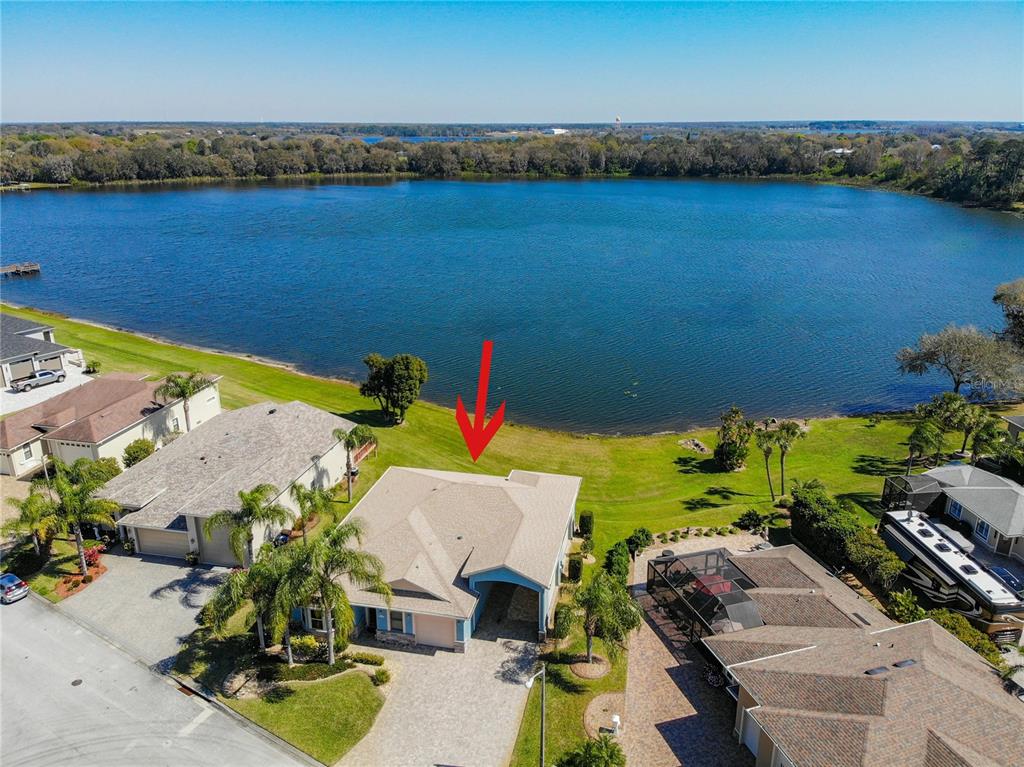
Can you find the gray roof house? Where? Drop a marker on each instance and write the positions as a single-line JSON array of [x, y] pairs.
[[26, 345], [167, 497], [452, 543]]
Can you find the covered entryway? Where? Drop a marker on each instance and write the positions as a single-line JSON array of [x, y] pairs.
[[162, 543], [509, 612], [434, 630], [216, 550]]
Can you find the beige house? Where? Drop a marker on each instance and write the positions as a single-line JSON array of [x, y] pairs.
[[452, 543], [27, 346], [96, 420], [167, 497]]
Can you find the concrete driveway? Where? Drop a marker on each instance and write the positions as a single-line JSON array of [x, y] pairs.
[[147, 605], [11, 401], [452, 709]]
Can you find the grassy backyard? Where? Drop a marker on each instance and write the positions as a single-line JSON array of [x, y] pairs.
[[628, 482]]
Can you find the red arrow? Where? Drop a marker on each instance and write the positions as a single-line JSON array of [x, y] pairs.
[[478, 435]]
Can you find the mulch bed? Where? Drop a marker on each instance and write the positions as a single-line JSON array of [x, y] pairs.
[[63, 588], [594, 670], [598, 717]]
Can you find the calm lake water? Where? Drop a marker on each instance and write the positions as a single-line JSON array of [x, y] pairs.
[[615, 306]]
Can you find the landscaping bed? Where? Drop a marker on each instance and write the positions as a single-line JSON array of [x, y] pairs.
[[46, 575]]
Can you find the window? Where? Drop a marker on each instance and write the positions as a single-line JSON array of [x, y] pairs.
[[955, 509], [981, 530], [316, 620], [26, 452], [397, 621], [174, 425]]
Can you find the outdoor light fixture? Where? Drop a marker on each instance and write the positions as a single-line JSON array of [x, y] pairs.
[[543, 683]]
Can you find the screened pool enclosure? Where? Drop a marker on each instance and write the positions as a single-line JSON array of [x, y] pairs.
[[702, 593]]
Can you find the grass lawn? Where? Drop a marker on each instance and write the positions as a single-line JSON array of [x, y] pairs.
[[63, 561], [324, 719]]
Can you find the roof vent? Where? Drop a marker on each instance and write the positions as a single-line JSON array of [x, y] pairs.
[[904, 663], [969, 569], [876, 671]]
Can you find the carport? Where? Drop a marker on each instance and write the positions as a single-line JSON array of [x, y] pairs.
[[493, 588]]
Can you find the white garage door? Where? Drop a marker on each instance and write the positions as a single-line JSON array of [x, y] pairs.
[[434, 630], [215, 550], [751, 732], [162, 543]]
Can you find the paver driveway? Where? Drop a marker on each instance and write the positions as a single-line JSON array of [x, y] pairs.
[[148, 605], [445, 708]]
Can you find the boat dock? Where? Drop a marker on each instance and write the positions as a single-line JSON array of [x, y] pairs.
[[16, 270]]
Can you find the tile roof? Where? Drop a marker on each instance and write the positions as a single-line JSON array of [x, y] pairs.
[[434, 529], [201, 472], [90, 413]]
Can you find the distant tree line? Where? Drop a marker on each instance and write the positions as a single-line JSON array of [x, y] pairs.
[[979, 168]]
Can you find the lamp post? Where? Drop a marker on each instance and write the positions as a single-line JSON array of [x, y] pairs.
[[543, 683]]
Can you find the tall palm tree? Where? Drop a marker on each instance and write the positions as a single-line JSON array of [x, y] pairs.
[[326, 561], [987, 437], [255, 506], [923, 440], [75, 505], [35, 516], [256, 584], [787, 433], [607, 611], [183, 386], [765, 441], [353, 440], [312, 502]]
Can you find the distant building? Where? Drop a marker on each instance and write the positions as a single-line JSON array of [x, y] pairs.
[[555, 131], [618, 123]]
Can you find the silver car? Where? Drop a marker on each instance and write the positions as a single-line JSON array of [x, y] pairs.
[[39, 378], [12, 588]]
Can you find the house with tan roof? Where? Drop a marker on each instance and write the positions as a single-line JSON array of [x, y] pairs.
[[96, 420], [823, 679], [167, 497], [449, 540]]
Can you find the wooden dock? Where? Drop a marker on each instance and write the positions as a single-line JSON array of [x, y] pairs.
[[16, 270]]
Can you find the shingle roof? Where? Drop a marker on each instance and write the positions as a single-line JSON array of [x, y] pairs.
[[434, 529], [201, 472], [14, 344], [91, 412], [1001, 507]]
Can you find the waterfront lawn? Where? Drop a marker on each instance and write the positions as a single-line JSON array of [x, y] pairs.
[[43, 576], [324, 719]]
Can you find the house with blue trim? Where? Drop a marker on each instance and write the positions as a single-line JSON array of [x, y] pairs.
[[451, 540]]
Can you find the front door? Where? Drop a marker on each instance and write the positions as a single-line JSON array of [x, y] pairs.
[[1003, 544]]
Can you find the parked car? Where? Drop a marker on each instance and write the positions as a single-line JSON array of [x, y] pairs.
[[1008, 578], [39, 378], [12, 588], [282, 538]]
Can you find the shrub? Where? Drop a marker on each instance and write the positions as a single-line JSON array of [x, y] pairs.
[[867, 552], [136, 451], [307, 646], [381, 676], [903, 607], [563, 622], [87, 579], [340, 641], [723, 530], [75, 583], [587, 547], [709, 532], [575, 573], [617, 561], [306, 672], [684, 535], [602, 751], [192, 558], [751, 519], [639, 540], [961, 628], [784, 502], [823, 525], [128, 545], [366, 658], [733, 436], [92, 555], [587, 524], [92, 366]]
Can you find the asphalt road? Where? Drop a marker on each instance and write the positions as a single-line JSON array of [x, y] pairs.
[[69, 697]]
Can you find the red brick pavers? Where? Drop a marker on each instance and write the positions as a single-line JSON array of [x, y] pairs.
[[672, 717]]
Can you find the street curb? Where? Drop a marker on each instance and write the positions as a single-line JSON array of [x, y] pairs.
[[184, 681]]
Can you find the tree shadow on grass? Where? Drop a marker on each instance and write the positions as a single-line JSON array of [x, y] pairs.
[[560, 675], [278, 694], [374, 418], [725, 493], [700, 503], [878, 465], [870, 502], [689, 464]]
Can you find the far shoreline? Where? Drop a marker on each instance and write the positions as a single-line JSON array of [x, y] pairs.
[[687, 429]]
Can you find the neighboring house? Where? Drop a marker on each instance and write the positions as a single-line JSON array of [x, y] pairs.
[[26, 346], [95, 420], [821, 678], [167, 497], [1014, 425], [446, 538], [979, 516]]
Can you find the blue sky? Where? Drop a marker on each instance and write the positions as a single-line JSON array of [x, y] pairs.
[[497, 62]]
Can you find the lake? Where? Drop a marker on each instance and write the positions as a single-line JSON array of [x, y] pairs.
[[614, 305]]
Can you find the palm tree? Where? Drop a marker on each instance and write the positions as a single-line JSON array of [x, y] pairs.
[[312, 502], [968, 420], [183, 386], [35, 516], [766, 443], [322, 564], [607, 611], [811, 484], [76, 505], [923, 440], [256, 584], [353, 440], [255, 506], [787, 433], [987, 437]]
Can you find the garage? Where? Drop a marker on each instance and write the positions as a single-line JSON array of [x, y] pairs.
[[21, 369], [162, 543], [54, 363], [434, 630], [215, 550]]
